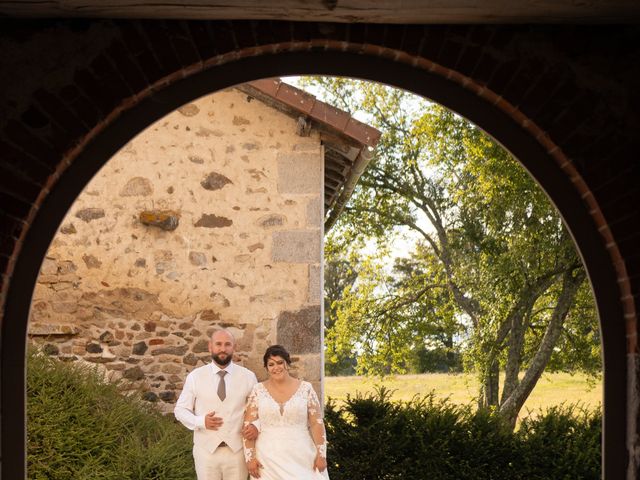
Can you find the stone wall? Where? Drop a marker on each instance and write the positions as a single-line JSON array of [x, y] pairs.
[[212, 217]]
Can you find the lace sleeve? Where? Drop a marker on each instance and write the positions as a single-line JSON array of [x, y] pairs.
[[316, 423], [250, 416]]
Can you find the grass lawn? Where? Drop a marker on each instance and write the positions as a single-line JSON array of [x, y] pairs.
[[552, 389]]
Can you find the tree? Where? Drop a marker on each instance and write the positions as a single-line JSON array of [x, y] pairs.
[[496, 250]]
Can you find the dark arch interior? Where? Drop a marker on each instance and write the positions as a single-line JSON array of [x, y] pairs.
[[521, 144]]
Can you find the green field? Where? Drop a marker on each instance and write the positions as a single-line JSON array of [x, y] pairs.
[[552, 389]]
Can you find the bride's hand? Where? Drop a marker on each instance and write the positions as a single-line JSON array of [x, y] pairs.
[[254, 466], [320, 463]]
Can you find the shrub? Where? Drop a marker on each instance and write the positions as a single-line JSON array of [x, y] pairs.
[[562, 443], [373, 438], [81, 427]]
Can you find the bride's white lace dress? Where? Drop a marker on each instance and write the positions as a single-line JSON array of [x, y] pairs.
[[290, 434]]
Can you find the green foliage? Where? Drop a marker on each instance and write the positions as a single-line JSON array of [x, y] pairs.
[[80, 427], [373, 438], [494, 274]]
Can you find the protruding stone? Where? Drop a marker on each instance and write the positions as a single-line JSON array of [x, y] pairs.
[[196, 159], [213, 221], [189, 110], [139, 348], [168, 396], [215, 181], [237, 120], [49, 267], [137, 187], [68, 229], [296, 246], [209, 315], [219, 300], [300, 330], [50, 349], [167, 220], [49, 329], [90, 214], [66, 267], [255, 246], [176, 350], [271, 221], [93, 348], [190, 359], [150, 326], [140, 262], [90, 261], [201, 346], [133, 374], [156, 341], [107, 337], [150, 397], [197, 258]]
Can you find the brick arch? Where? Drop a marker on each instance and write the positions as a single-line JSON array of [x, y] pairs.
[[61, 134]]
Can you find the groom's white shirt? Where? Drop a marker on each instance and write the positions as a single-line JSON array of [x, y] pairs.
[[199, 397]]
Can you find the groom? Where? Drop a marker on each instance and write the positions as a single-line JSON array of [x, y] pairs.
[[212, 404]]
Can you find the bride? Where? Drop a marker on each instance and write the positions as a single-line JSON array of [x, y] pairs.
[[292, 444]]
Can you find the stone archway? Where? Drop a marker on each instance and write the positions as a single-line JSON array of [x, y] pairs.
[[140, 71]]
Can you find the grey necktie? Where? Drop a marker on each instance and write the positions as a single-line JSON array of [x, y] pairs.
[[222, 388]]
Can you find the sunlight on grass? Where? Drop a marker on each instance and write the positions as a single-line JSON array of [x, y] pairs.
[[552, 389]]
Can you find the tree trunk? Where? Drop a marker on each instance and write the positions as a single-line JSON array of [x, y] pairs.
[[512, 405], [491, 385]]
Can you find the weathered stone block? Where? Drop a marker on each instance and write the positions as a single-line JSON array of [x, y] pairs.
[[315, 286], [299, 330], [299, 173], [296, 246], [315, 212]]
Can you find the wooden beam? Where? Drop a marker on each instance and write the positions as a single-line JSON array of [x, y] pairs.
[[347, 11]]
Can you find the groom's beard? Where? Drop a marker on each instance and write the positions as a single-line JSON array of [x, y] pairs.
[[221, 361]]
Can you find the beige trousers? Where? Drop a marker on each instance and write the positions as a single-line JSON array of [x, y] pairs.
[[223, 464]]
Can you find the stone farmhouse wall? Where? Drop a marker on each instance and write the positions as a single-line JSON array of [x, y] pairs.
[[212, 217]]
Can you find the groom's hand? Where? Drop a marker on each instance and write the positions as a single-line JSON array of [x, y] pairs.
[[250, 432], [211, 422]]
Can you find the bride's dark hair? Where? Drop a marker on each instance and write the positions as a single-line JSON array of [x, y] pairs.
[[276, 351]]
